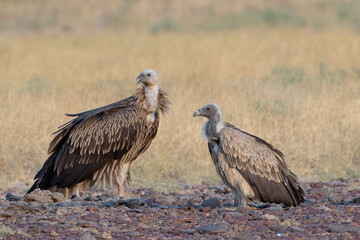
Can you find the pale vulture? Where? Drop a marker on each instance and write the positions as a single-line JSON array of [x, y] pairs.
[[251, 167], [99, 145]]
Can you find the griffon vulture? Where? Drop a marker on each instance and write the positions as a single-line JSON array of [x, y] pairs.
[[251, 167], [99, 145]]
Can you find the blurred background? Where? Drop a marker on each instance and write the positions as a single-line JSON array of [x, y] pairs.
[[287, 71]]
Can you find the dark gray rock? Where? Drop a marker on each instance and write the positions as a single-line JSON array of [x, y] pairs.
[[212, 228], [88, 199], [228, 204], [356, 200], [130, 203], [222, 189], [211, 202], [110, 204], [12, 198], [337, 228]]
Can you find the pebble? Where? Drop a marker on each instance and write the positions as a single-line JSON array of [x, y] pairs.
[[277, 228], [58, 197], [39, 196], [338, 184], [92, 209], [222, 189], [87, 236], [212, 228], [205, 209], [211, 202], [337, 228], [310, 200], [245, 237], [228, 204], [270, 217], [12, 198], [296, 229], [356, 200], [276, 207]]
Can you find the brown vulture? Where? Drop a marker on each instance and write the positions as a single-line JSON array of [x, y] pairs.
[[99, 145], [251, 167]]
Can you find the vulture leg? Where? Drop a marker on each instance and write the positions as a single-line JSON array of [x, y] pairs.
[[64, 191], [75, 190], [239, 200], [123, 179]]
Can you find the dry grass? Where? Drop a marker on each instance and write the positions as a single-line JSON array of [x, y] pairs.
[[296, 87]]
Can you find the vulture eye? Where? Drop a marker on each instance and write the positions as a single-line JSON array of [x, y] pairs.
[[149, 74], [208, 109]]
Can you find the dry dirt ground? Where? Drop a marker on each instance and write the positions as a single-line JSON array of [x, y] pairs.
[[331, 211]]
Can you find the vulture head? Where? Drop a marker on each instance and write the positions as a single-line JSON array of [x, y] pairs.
[[210, 111], [148, 78]]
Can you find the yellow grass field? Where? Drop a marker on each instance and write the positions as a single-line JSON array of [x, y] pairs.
[[294, 85]]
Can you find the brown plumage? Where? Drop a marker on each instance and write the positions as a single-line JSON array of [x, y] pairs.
[[98, 146], [251, 167]]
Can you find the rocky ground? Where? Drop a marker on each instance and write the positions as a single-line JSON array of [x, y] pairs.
[[331, 211]]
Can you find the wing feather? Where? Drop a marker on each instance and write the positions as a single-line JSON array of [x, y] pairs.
[[261, 165]]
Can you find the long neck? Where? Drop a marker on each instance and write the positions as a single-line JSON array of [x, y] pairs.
[[151, 96], [214, 127]]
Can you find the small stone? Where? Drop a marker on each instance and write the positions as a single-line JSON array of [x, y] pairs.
[[88, 199], [205, 209], [310, 200], [337, 228], [277, 228], [338, 184], [317, 184], [134, 234], [87, 236], [110, 204], [12, 198], [228, 204], [270, 217], [53, 233], [276, 207], [6, 214], [106, 235], [222, 189], [130, 203], [356, 200], [323, 208], [212, 228], [229, 215], [353, 229], [57, 197], [92, 209], [296, 229], [42, 196], [245, 237], [211, 202]]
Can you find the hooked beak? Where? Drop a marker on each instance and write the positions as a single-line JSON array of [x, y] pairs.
[[139, 78], [196, 113]]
